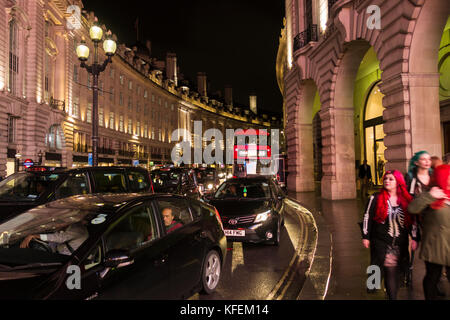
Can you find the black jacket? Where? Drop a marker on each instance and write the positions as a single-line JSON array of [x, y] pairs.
[[365, 172], [380, 239]]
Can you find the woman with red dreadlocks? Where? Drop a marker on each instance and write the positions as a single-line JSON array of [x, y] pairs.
[[386, 227], [435, 246]]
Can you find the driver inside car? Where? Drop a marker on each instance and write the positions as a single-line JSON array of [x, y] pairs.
[[63, 242]]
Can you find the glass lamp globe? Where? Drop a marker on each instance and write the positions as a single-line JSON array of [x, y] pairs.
[[83, 52], [96, 33], [110, 47]]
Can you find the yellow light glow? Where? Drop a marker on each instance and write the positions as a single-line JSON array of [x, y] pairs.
[[83, 52], [96, 33], [110, 47]]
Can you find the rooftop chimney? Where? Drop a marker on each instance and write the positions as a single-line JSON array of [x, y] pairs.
[[253, 105], [201, 84], [229, 96], [171, 67]]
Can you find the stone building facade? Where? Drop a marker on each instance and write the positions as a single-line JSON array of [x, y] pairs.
[[46, 97], [362, 79]]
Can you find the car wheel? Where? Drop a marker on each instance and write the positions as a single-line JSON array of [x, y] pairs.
[[212, 270]]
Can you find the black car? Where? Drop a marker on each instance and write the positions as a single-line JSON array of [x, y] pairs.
[[177, 181], [112, 247], [252, 209], [25, 190], [208, 179]]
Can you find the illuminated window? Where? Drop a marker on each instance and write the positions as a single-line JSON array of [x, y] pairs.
[[323, 14], [89, 113]]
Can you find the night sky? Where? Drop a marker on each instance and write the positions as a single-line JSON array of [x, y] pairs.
[[234, 41]]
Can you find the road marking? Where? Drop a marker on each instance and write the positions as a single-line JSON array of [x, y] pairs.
[[294, 257], [237, 256]]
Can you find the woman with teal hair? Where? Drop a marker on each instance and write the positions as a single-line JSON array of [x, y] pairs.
[[417, 181]]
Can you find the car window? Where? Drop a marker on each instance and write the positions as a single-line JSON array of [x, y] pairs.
[[134, 230], [139, 182], [26, 186], [94, 258], [109, 182], [75, 184], [175, 213], [196, 210]]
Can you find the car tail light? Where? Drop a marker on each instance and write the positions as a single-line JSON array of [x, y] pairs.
[[218, 218]]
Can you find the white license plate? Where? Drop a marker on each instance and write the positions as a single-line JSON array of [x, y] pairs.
[[235, 233]]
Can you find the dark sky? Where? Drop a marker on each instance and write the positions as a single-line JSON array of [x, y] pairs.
[[234, 41]]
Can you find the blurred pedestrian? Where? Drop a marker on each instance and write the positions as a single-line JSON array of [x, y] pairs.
[[417, 181], [419, 173], [435, 162], [385, 230], [365, 176], [434, 206]]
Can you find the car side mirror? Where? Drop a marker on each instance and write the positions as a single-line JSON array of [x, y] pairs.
[[118, 259]]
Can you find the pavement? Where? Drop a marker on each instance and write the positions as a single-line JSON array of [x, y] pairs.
[[338, 267]]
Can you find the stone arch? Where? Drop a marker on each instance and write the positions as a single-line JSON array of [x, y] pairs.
[[424, 77], [299, 103]]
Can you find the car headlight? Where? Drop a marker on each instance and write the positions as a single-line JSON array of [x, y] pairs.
[[263, 216], [210, 186]]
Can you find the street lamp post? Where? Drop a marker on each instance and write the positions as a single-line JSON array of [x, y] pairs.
[[109, 46]]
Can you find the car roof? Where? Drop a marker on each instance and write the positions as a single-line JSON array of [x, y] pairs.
[[249, 179], [104, 203]]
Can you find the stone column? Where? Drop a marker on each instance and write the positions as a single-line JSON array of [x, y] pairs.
[[338, 139]]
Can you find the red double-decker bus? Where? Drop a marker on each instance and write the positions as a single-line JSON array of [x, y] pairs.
[[252, 144]]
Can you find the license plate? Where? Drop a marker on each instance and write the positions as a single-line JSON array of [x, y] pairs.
[[235, 233]]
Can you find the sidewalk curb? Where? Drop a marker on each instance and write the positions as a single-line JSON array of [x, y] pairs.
[[319, 273]]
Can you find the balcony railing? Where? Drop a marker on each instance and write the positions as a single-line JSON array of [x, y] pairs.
[[58, 104], [305, 37]]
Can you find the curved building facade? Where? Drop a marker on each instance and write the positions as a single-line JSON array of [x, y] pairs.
[[46, 97]]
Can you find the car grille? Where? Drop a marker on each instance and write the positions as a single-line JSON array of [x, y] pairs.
[[240, 220]]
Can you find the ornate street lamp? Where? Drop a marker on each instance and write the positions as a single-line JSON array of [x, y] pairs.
[[109, 46]]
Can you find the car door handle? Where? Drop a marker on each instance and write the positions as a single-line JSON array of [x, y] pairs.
[[161, 260]]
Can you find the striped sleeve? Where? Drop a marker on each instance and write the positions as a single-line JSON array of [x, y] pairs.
[[367, 222]]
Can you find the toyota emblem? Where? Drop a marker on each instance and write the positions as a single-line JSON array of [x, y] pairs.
[[233, 222]]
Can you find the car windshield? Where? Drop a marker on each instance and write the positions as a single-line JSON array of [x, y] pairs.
[[206, 175], [58, 232], [26, 186], [243, 190]]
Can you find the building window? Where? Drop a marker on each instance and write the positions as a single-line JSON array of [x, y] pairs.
[[89, 84], [130, 104], [54, 137], [122, 79], [101, 117], [13, 56], [146, 131], [111, 120], [138, 107], [121, 99], [159, 135], [130, 85], [11, 129], [121, 128], [75, 73], [145, 94], [89, 113], [138, 129], [153, 98], [111, 73], [111, 94], [76, 107], [100, 87], [130, 126]]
